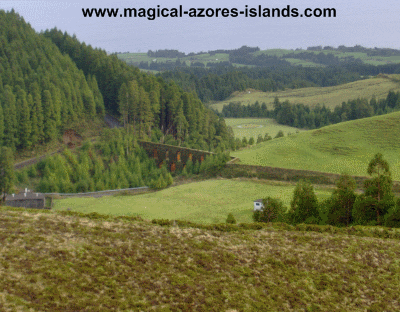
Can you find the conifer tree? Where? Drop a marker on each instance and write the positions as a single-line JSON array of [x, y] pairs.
[[50, 130], [56, 98], [342, 201], [10, 120], [34, 139], [24, 122], [37, 107], [6, 171], [1, 124], [304, 204]]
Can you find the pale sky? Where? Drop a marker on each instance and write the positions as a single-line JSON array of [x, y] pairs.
[[364, 22]]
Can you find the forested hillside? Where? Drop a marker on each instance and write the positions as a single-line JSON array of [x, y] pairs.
[[152, 107], [41, 90], [218, 83]]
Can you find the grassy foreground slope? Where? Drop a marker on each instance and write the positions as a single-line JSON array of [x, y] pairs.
[[344, 147], [55, 262], [201, 202], [330, 96]]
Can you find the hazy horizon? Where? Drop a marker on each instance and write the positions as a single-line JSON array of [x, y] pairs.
[[364, 23]]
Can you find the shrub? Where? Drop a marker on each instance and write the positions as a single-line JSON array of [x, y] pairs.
[[230, 219], [251, 141], [280, 134], [273, 211]]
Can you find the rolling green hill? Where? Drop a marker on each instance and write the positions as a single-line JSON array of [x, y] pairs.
[[344, 147], [330, 96]]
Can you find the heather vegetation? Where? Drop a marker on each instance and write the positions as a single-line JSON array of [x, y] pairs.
[[72, 262]]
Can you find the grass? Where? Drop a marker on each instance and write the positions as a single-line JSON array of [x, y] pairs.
[[252, 127], [57, 262], [329, 96], [344, 147], [372, 60], [202, 202]]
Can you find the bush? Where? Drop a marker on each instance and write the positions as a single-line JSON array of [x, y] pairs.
[[392, 218], [273, 210], [363, 211], [280, 134], [230, 219], [251, 141]]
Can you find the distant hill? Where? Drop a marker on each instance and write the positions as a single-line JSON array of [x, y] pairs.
[[344, 147], [311, 57], [331, 97]]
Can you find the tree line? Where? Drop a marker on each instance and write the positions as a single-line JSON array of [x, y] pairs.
[[219, 82], [376, 205], [302, 116]]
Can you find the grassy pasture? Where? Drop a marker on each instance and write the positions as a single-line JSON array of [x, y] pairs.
[[203, 202], [330, 96], [55, 262], [373, 60], [252, 127], [347, 146]]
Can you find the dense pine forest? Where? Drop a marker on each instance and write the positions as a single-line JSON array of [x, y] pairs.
[[156, 109], [114, 162], [41, 90], [51, 81]]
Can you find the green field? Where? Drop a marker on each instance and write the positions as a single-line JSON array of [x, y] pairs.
[[203, 202], [330, 96], [252, 127], [344, 147], [372, 60]]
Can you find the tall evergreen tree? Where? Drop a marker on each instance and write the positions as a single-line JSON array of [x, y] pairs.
[[1, 125], [304, 204], [50, 130], [6, 171], [10, 120], [37, 107], [24, 122]]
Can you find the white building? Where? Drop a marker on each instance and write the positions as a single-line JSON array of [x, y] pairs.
[[258, 204]]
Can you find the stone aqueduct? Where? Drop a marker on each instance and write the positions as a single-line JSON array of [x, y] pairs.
[[174, 157]]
